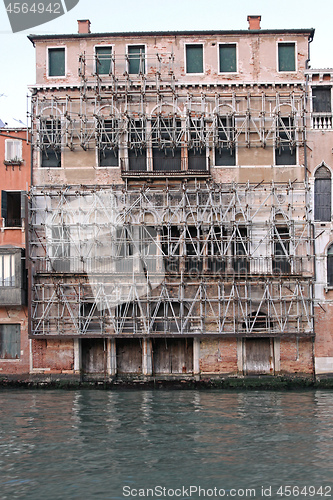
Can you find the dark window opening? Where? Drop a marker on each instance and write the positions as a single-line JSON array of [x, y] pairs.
[[286, 56], [170, 317], [170, 248], [193, 246], [103, 60], [51, 143], [258, 322], [281, 261], [12, 207], [108, 142], [136, 59], [57, 62], [10, 341], [196, 152], [91, 317], [228, 62], [128, 318], [330, 266], [322, 194], [321, 99], [216, 251], [166, 141], [225, 154], [285, 150], [241, 261], [137, 148], [194, 58]]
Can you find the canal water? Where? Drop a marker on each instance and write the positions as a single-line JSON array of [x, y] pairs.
[[100, 444]]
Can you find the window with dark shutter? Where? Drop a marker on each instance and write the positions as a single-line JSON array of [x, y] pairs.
[[194, 58], [10, 340], [321, 99], [228, 62], [286, 56], [57, 62], [136, 59], [103, 60], [330, 266], [322, 194]]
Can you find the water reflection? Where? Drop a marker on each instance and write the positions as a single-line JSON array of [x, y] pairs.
[[74, 444]]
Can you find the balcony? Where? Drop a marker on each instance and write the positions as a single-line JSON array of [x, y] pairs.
[[166, 167], [322, 121]]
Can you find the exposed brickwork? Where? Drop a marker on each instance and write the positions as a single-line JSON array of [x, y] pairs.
[[218, 356], [296, 357], [53, 355], [324, 331]]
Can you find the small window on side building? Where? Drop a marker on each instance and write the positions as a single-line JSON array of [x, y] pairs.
[[57, 61], [322, 194], [330, 266], [7, 270], [286, 57], [13, 150], [13, 208], [194, 58], [228, 61], [321, 99]]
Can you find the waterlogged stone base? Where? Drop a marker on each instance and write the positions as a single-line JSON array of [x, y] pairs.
[[172, 382]]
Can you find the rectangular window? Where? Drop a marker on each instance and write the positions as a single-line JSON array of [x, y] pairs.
[[10, 340], [321, 99], [57, 61], [13, 208], [108, 147], [196, 137], [136, 59], [285, 150], [225, 154], [194, 58], [286, 57], [103, 60], [7, 270], [60, 250], [216, 250], [241, 251], [228, 61], [50, 143], [137, 148], [281, 264], [166, 141], [170, 248], [13, 150], [194, 244]]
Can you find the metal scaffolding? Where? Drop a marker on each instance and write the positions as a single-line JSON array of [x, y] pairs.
[[136, 120], [192, 259]]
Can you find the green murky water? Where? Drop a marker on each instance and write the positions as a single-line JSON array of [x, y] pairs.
[[133, 444]]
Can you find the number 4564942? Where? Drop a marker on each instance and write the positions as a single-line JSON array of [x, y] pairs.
[[35, 8]]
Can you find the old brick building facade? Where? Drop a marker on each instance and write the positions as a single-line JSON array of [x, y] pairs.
[[15, 163], [171, 220]]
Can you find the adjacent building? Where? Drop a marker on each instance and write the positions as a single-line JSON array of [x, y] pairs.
[[15, 164]]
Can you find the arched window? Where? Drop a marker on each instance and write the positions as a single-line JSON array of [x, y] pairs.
[[322, 194], [330, 265]]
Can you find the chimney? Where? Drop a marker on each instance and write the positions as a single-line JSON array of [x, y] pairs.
[[254, 22], [83, 26]]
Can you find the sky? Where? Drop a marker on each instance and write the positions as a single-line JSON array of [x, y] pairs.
[[17, 58]]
